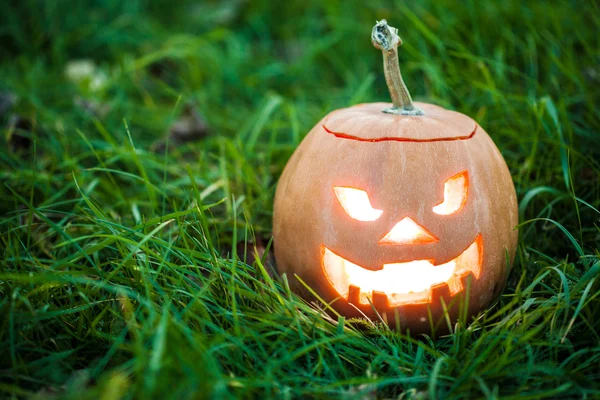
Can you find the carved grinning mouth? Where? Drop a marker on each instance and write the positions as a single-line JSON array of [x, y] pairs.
[[400, 283]]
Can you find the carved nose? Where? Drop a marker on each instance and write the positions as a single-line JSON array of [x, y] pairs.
[[408, 231]]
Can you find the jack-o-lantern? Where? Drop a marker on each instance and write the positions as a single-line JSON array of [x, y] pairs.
[[407, 211]]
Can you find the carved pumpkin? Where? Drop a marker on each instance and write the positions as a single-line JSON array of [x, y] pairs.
[[401, 213]]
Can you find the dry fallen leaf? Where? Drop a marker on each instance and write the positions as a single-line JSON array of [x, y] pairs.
[[190, 126]]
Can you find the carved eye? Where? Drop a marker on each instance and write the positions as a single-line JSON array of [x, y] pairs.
[[356, 204], [455, 194]]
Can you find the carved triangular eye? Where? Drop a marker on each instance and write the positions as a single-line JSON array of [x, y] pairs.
[[356, 203], [455, 194]]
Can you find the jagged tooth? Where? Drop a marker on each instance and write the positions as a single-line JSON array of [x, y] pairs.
[[464, 280], [380, 300], [423, 297], [476, 256], [354, 294], [441, 291], [429, 296], [455, 284]]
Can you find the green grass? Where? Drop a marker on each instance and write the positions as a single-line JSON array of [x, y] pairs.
[[123, 272]]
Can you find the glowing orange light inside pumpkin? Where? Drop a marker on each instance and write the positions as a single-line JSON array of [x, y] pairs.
[[356, 203], [400, 283], [405, 282], [455, 194], [408, 231]]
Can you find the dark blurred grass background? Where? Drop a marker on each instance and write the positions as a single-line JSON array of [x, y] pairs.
[[142, 142]]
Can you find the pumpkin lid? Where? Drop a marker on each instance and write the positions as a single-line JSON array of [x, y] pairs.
[[366, 122]]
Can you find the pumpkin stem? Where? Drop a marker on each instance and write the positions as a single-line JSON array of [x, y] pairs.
[[385, 38]]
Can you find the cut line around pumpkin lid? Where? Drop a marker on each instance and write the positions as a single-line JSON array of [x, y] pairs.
[[343, 135]]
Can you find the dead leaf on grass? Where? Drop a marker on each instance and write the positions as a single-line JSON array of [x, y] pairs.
[[189, 127]]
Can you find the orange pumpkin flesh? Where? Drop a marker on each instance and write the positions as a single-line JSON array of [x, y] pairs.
[[428, 217]]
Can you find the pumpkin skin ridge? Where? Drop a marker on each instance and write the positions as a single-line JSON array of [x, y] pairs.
[[342, 135]]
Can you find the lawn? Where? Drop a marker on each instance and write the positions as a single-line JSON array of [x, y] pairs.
[[141, 147]]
